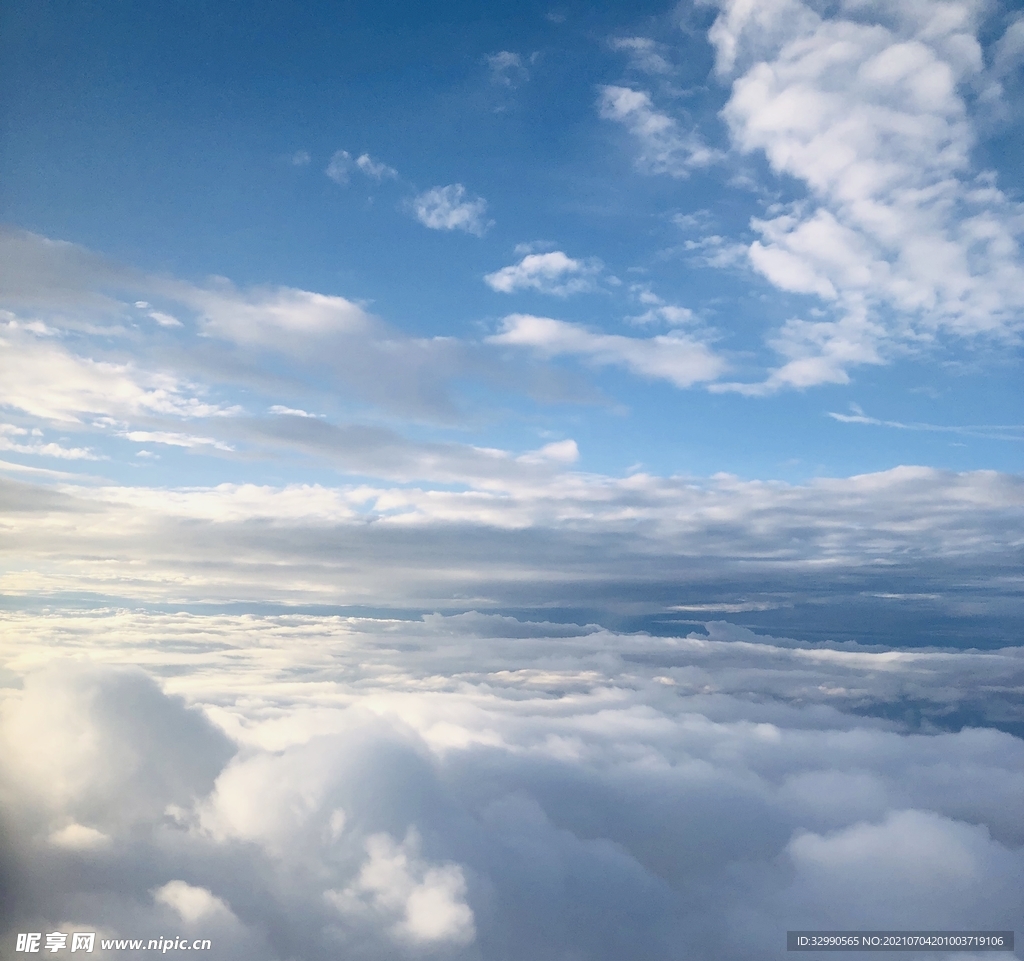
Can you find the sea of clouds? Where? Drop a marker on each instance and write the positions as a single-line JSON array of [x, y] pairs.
[[478, 786]]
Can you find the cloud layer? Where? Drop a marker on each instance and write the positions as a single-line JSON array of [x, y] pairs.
[[906, 554], [480, 786]]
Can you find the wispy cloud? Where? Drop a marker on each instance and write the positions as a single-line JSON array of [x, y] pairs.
[[645, 54], [663, 145], [46, 380], [175, 439], [678, 358], [508, 69], [1012, 432], [342, 165], [375, 168]]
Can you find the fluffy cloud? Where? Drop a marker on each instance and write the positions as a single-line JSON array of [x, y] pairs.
[[898, 234], [550, 273], [676, 357], [663, 147], [424, 903], [451, 208], [478, 786]]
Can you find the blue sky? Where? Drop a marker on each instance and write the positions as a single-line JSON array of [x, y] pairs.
[[510, 481], [183, 144]]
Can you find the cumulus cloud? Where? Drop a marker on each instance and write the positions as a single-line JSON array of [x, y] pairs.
[[899, 234], [190, 903], [663, 147], [550, 273], [480, 786], [451, 208], [425, 904], [676, 357]]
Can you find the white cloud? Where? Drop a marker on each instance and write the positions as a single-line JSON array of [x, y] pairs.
[[508, 69], [78, 837], [38, 448], [716, 251], [519, 528], [559, 451], [301, 158], [550, 273], [425, 903], [1008, 53], [663, 147], [46, 380], [451, 208], [276, 317], [481, 786], [339, 167], [375, 168], [307, 336], [645, 54], [670, 314], [37, 272], [174, 439], [1011, 432], [675, 357], [291, 411], [899, 235], [190, 903], [164, 320]]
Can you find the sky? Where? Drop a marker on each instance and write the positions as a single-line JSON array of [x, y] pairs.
[[565, 459]]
